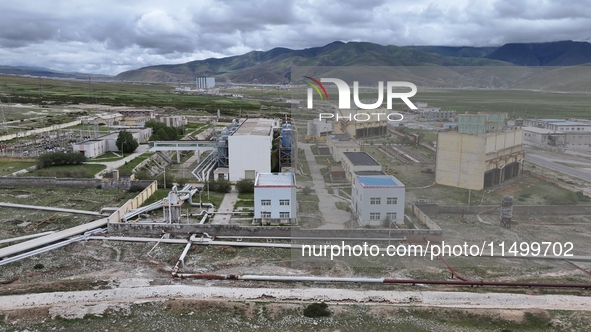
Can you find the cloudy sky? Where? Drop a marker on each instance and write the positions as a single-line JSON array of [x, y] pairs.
[[110, 36]]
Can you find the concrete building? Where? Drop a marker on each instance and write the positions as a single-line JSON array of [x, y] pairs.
[[548, 138], [567, 126], [436, 114], [361, 123], [96, 147], [205, 82], [480, 155], [353, 162], [133, 113], [377, 198], [173, 120], [275, 198], [249, 149], [319, 128], [339, 143]]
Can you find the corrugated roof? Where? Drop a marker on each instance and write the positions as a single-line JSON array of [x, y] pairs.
[[379, 181], [257, 127], [275, 180], [360, 158]]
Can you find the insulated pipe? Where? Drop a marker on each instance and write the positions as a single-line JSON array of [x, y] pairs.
[[51, 246], [14, 239], [46, 208], [181, 262]]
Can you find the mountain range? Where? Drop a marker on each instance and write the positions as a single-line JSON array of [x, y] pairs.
[[274, 66], [514, 65]]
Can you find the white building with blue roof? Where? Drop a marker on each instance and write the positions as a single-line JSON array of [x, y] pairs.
[[275, 198], [377, 198]]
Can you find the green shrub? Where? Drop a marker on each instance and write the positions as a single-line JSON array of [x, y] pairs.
[[317, 310], [59, 158], [568, 198], [245, 186]]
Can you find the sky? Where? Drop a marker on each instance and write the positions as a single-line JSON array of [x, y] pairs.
[[108, 37]]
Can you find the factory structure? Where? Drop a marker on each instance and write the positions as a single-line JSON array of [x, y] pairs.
[[275, 199], [555, 133], [377, 199], [483, 153], [102, 144], [205, 82]]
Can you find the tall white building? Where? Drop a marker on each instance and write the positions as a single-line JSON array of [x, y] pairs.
[[205, 82], [376, 198], [275, 198], [249, 149]]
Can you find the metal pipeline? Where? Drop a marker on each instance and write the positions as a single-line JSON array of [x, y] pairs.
[[25, 237]]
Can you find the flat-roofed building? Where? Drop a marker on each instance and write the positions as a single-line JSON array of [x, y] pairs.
[[275, 198], [249, 148], [377, 200], [339, 143], [353, 162]]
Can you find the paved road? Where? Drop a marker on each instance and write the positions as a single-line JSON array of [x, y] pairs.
[[331, 216], [83, 301], [548, 163]]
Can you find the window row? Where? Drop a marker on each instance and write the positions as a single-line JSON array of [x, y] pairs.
[[266, 214], [378, 200], [378, 216], [283, 202]]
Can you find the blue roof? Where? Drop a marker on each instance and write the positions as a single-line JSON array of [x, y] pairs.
[[379, 181]]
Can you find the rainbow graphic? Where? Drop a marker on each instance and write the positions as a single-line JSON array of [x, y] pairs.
[[317, 86]]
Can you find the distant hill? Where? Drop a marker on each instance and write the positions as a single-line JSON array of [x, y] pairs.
[[45, 72], [562, 53], [273, 67], [461, 51]]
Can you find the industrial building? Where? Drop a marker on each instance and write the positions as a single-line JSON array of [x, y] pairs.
[[377, 198], [319, 129], [436, 114], [483, 152], [361, 123], [339, 143], [548, 138], [353, 162], [249, 149], [275, 199], [134, 113], [173, 120], [567, 126], [205, 82], [96, 147]]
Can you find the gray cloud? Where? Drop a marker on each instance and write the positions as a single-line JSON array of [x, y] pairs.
[[112, 36]]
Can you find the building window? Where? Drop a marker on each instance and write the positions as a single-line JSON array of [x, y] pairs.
[[265, 202], [284, 202], [391, 215], [375, 201], [374, 216], [283, 214], [392, 200], [265, 214]]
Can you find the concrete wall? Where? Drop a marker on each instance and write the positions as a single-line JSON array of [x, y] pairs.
[[554, 210], [133, 203], [425, 218], [63, 182], [51, 182], [460, 160], [237, 230]]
